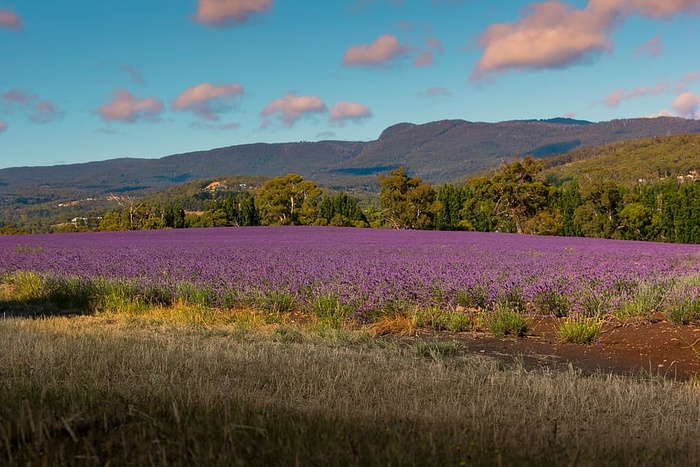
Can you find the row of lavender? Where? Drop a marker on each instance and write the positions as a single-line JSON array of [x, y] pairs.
[[371, 270]]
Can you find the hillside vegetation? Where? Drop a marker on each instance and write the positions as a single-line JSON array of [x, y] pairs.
[[438, 152], [628, 163], [613, 190]]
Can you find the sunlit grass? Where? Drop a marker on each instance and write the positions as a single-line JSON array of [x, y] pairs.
[[580, 330], [503, 320], [143, 378], [149, 389]]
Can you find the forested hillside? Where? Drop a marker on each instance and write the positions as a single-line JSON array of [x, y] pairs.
[[644, 189], [629, 163]]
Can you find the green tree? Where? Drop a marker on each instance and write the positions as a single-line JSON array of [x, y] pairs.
[[407, 202], [448, 208], [597, 216], [637, 222], [341, 210], [247, 212], [565, 200], [288, 200], [518, 195], [478, 206], [112, 220]]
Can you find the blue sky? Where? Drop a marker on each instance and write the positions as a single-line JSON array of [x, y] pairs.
[[82, 80]]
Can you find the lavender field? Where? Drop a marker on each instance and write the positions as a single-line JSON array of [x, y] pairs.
[[372, 270]]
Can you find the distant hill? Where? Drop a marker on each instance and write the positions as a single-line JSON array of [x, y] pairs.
[[628, 163], [447, 150], [439, 152]]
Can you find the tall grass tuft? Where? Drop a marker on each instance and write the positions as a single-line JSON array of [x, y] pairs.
[[502, 320], [440, 319], [646, 299], [330, 310], [580, 330], [551, 303], [684, 311], [437, 350], [393, 325]]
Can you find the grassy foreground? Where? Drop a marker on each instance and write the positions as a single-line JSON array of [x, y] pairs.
[[161, 388]]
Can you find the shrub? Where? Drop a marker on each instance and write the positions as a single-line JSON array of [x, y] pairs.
[[646, 300], [551, 303], [580, 330], [432, 318], [270, 301], [194, 294], [593, 304], [459, 321], [330, 310], [503, 321], [684, 312], [474, 297]]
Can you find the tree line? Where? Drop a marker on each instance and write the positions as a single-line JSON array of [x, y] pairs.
[[515, 198]]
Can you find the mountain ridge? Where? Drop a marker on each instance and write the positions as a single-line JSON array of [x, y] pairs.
[[439, 151]]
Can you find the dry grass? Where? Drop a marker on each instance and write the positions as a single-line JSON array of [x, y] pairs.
[[144, 391], [397, 325]]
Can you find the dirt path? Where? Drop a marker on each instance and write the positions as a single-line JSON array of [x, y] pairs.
[[654, 347]]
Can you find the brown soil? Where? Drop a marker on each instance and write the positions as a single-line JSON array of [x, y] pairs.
[[652, 347]]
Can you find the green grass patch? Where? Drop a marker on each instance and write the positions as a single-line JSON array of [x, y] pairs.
[[551, 303], [683, 311], [580, 330], [330, 310], [437, 350], [503, 321], [645, 300]]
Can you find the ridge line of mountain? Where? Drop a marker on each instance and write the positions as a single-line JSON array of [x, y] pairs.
[[438, 152]]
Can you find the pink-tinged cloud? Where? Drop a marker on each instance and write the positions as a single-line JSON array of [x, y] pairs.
[[10, 20], [207, 100], [45, 111], [3, 126], [290, 108], [379, 52], [652, 47], [40, 110], [225, 12], [613, 99], [687, 105], [17, 96], [663, 8], [686, 80], [427, 58], [552, 34], [342, 112], [434, 43], [128, 108]]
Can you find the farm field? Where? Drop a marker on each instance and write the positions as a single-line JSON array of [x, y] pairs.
[[361, 347], [370, 271]]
